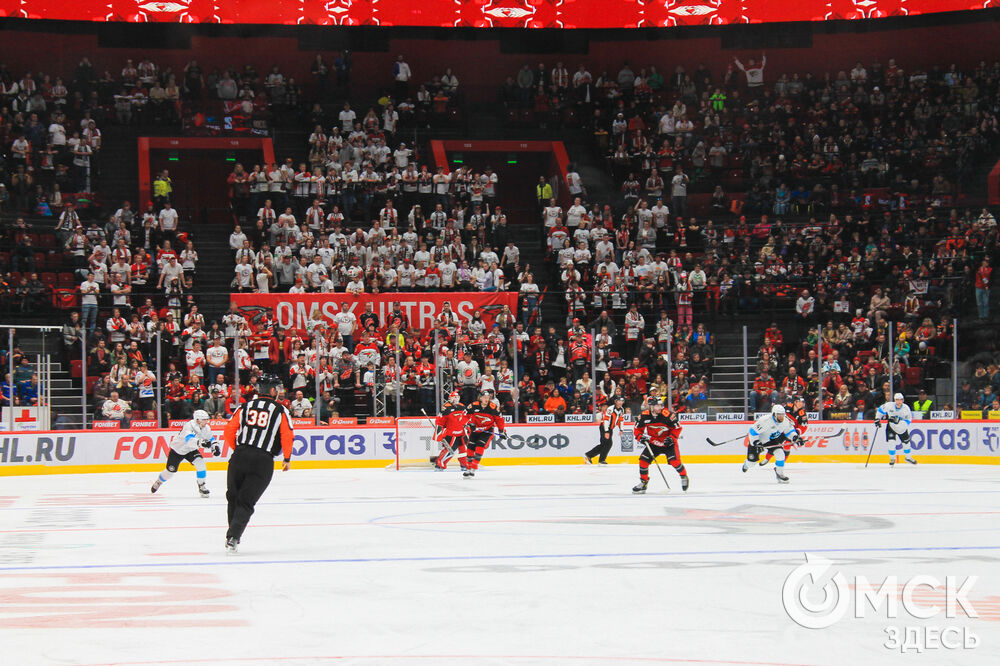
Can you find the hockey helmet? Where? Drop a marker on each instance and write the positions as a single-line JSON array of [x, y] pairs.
[[778, 410], [269, 385], [454, 397], [898, 396], [619, 397], [200, 415]]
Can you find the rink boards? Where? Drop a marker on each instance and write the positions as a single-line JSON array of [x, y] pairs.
[[54, 452]]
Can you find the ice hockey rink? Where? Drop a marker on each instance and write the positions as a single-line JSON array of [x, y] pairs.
[[521, 565]]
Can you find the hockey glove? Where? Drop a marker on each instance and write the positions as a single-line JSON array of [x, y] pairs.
[[753, 451], [894, 419]]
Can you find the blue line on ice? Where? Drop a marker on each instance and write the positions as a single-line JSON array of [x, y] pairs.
[[468, 558]]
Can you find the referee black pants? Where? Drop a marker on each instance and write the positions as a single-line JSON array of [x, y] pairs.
[[250, 472], [603, 448]]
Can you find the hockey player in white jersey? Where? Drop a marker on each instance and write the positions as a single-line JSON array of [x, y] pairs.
[[897, 417], [771, 432], [187, 445]]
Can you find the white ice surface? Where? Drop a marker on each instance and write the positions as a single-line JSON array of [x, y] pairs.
[[522, 565]]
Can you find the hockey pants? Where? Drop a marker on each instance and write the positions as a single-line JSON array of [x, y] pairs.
[[668, 449]]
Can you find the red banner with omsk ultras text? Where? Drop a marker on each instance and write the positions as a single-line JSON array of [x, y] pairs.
[[421, 308]]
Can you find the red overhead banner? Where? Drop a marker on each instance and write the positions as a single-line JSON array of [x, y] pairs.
[[295, 310], [478, 13]]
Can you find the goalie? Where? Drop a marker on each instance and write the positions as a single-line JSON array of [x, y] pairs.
[[452, 432], [658, 431], [771, 432], [187, 445], [485, 423]]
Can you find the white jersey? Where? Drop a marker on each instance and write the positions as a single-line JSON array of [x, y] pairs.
[[187, 439], [766, 429], [902, 416]]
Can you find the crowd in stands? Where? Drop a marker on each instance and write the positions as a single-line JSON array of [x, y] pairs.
[[836, 196], [844, 206], [25, 389]]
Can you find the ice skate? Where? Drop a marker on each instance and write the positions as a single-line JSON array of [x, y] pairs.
[[156, 486], [641, 488], [763, 461], [685, 482], [203, 490], [780, 475], [911, 460], [602, 462], [586, 460], [892, 461], [747, 465], [469, 473], [231, 544]]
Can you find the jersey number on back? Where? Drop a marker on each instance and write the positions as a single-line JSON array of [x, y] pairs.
[[257, 417]]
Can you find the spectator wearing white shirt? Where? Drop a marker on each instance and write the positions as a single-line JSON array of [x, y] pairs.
[[347, 117], [575, 213], [678, 191], [401, 74], [167, 221]]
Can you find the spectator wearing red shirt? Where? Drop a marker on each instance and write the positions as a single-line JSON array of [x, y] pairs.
[[764, 393], [773, 336], [983, 289]]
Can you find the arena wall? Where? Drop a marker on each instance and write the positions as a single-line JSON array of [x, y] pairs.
[[69, 452]]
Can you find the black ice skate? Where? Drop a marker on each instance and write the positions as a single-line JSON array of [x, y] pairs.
[[231, 544], [586, 459], [469, 473], [911, 460], [202, 490], [641, 488], [780, 474], [685, 482], [156, 486]]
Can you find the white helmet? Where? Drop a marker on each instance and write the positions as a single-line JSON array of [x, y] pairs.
[[898, 396], [777, 409], [200, 415]]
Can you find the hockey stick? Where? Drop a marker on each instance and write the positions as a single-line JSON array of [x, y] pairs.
[[713, 443], [878, 424], [709, 440], [658, 468]]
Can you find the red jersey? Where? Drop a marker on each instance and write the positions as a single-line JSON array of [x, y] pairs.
[[659, 427], [485, 417], [800, 418], [452, 420]]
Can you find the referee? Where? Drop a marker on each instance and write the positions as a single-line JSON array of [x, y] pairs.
[[259, 430]]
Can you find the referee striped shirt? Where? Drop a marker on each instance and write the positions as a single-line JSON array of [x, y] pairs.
[[264, 424]]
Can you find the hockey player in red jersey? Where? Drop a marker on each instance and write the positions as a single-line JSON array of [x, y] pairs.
[[796, 411], [452, 431], [658, 431], [485, 421]]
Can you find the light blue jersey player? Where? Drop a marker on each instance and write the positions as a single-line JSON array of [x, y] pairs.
[[187, 445], [771, 432], [897, 417]]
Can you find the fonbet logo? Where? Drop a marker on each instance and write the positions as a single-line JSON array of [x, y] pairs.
[[805, 583]]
